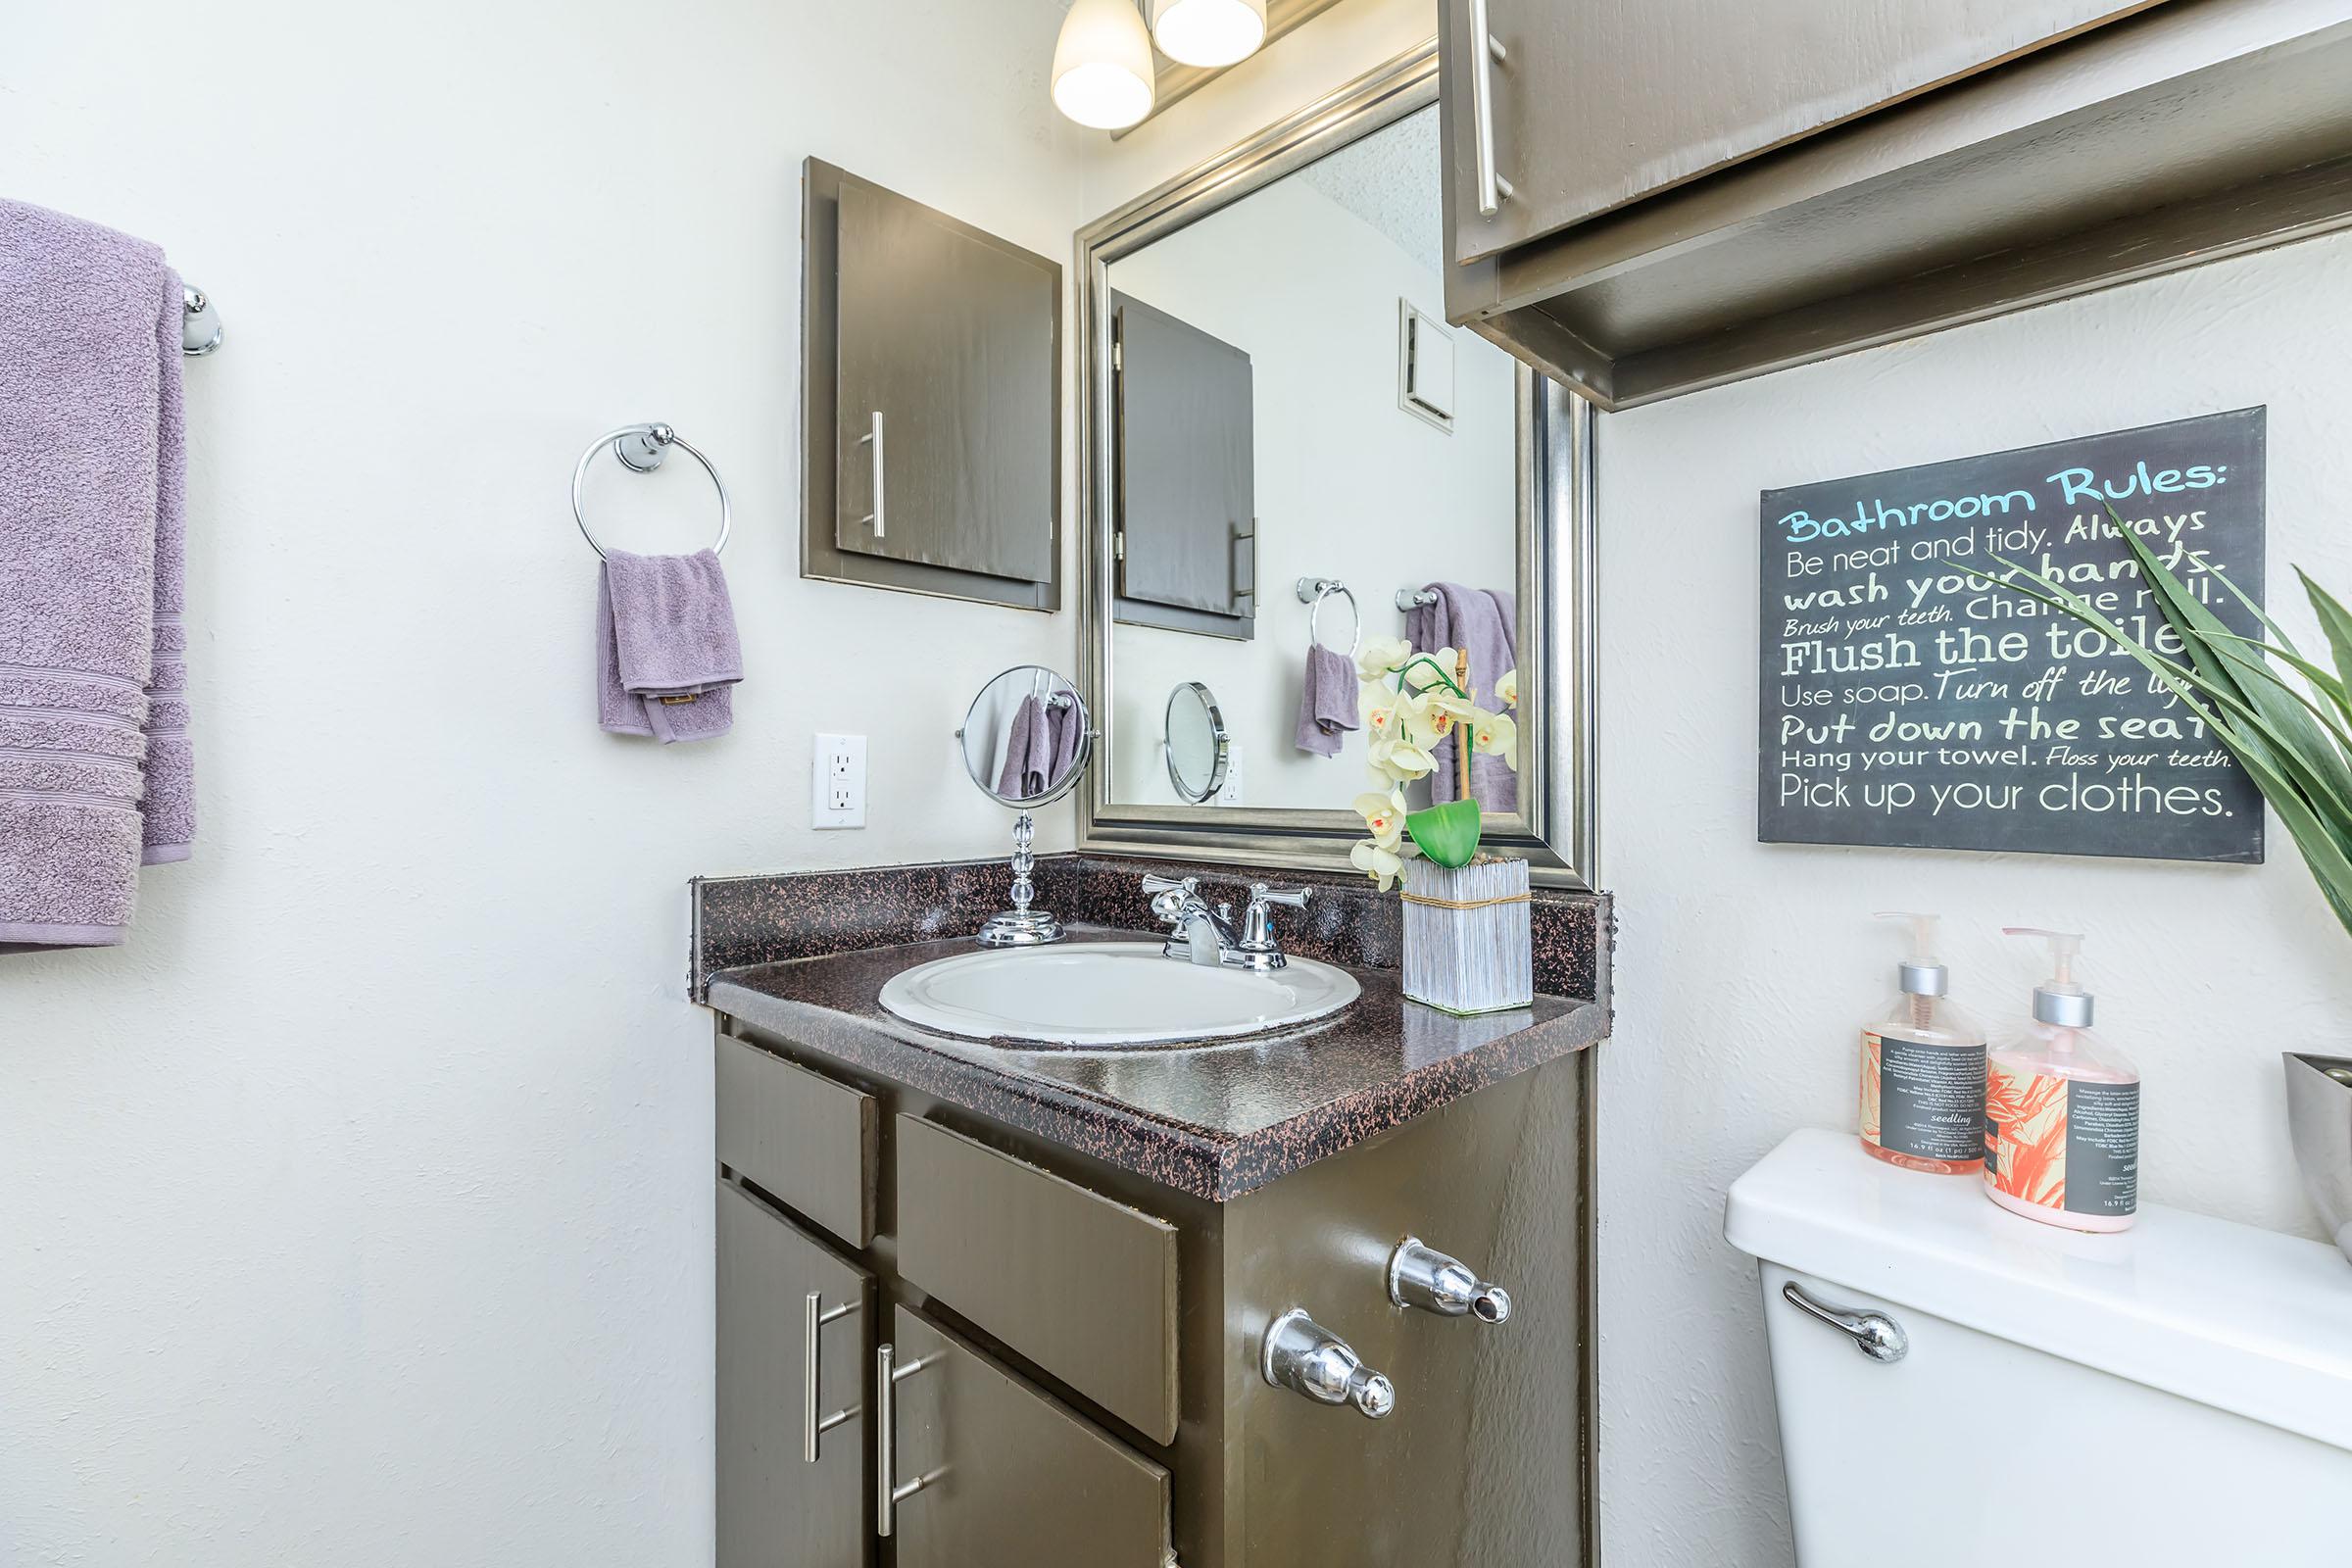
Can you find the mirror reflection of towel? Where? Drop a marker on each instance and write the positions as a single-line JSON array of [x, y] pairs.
[[1485, 622]]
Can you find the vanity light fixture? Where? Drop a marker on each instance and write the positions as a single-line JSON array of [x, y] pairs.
[[1208, 33], [1102, 70]]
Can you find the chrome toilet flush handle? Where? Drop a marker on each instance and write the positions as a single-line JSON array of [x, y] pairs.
[[1874, 1334], [1422, 1276]]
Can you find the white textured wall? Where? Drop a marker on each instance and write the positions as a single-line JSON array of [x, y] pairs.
[[1744, 970], [359, 1211]]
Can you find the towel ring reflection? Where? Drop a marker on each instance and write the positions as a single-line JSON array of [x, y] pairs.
[[1313, 591], [641, 449]]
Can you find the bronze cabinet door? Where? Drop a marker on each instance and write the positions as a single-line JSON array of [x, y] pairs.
[[810, 1142], [1599, 104], [948, 391], [1007, 1478], [776, 1509]]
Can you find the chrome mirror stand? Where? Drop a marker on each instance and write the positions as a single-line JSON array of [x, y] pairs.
[[1021, 926]]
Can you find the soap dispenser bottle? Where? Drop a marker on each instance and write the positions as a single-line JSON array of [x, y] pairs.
[[2062, 1109], [1923, 1069]]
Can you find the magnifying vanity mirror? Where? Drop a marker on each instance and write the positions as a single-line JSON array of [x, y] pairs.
[[1293, 461], [1198, 744], [1027, 739]]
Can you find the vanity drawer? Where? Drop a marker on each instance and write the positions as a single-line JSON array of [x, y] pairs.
[[1081, 1285], [1009, 1477], [798, 1135]]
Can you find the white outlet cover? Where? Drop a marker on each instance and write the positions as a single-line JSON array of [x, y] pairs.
[[1230, 792], [837, 782]]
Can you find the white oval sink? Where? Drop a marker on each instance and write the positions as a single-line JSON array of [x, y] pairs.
[[1110, 993]]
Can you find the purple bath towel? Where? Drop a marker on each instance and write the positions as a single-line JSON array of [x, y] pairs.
[[666, 655], [1485, 622], [93, 714], [1330, 701]]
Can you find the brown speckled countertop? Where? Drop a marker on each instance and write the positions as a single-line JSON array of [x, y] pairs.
[[1214, 1120]]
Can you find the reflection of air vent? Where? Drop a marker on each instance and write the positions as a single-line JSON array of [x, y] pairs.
[[1424, 367]]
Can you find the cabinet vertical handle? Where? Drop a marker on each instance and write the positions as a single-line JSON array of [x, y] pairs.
[[888, 1494], [880, 515], [812, 1425], [1486, 49]]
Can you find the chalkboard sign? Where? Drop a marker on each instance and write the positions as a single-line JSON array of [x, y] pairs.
[[1907, 703]]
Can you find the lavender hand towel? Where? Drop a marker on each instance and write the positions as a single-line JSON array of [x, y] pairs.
[[668, 655], [1330, 702], [1063, 726], [1030, 756], [91, 535], [1485, 622]]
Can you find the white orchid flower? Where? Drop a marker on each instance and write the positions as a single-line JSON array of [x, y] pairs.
[[1434, 667], [1506, 689], [1381, 865], [1380, 656], [1384, 816], [1497, 736]]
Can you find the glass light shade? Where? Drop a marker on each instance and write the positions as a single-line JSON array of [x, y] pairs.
[[1208, 33], [1102, 74]]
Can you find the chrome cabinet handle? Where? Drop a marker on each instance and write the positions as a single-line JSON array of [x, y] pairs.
[[1486, 50], [1424, 1277], [1874, 1334], [1305, 1358], [879, 517], [812, 1425], [888, 1492]]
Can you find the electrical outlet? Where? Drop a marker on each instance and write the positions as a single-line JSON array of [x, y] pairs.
[[837, 790], [1230, 791]]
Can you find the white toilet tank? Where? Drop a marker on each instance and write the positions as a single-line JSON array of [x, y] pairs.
[[2176, 1393]]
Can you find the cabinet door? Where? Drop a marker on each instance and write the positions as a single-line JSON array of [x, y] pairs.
[[1008, 1479], [777, 1509], [1605, 101], [947, 418], [1184, 447]]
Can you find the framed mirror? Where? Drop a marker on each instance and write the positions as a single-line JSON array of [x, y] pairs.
[[1289, 457]]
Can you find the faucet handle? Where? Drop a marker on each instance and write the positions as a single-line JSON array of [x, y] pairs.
[[1170, 893], [1262, 894]]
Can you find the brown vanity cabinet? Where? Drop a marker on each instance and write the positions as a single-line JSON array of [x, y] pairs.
[[1645, 200], [1057, 1363], [792, 1461]]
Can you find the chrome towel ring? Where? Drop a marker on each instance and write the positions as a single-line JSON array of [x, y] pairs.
[[1313, 591], [641, 449]]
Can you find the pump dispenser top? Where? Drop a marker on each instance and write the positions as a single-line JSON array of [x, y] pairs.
[[2059, 1000], [1922, 974]]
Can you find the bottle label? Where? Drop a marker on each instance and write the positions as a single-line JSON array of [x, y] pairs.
[[1922, 1100], [2062, 1142]]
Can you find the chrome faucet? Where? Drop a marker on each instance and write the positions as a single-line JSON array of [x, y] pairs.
[[1206, 936]]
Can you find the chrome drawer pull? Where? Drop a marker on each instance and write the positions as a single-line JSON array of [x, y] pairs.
[[1874, 1334], [879, 517], [1492, 188], [811, 1426], [888, 1492]]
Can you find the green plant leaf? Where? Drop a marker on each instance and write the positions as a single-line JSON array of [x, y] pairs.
[[2334, 620], [1447, 834]]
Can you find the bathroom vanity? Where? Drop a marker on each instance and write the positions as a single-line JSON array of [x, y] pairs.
[[1314, 1298]]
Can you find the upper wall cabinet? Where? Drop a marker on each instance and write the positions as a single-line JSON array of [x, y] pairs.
[[1642, 200], [1185, 534], [931, 400]]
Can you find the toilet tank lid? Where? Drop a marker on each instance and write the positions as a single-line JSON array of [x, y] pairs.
[[2246, 1320]]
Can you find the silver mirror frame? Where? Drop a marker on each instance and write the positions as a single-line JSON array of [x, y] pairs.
[[1218, 734], [1555, 831]]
